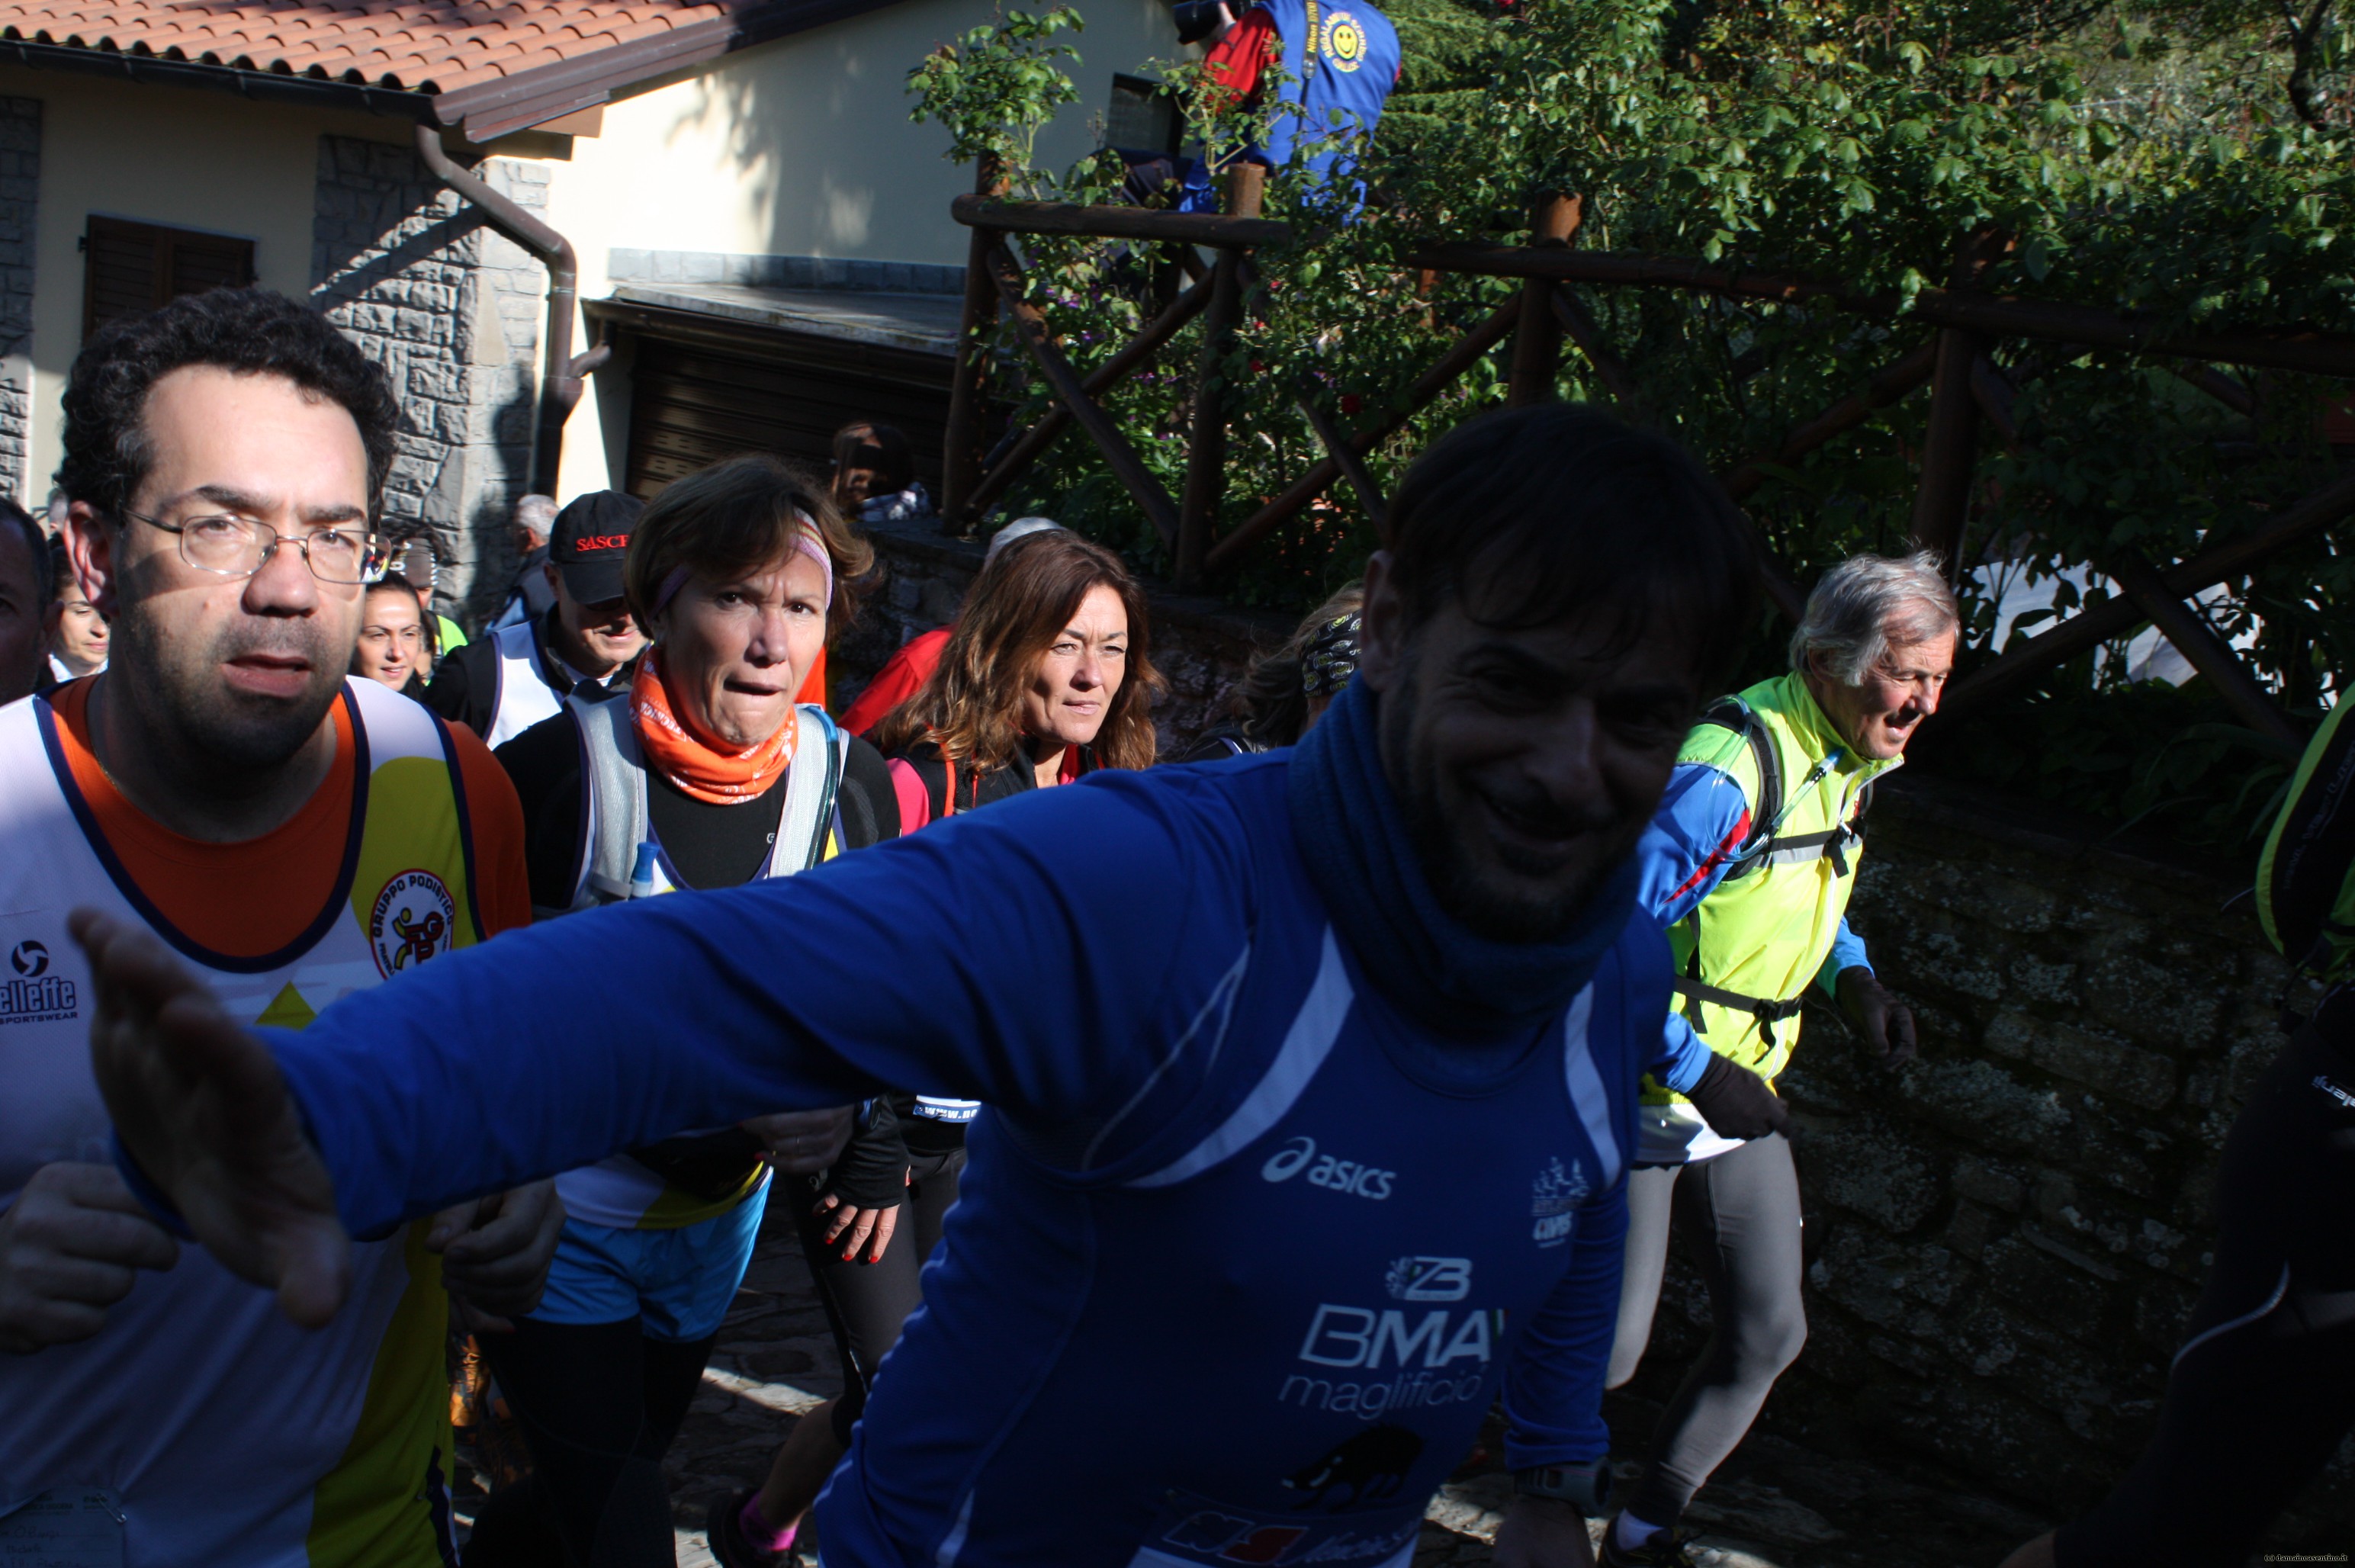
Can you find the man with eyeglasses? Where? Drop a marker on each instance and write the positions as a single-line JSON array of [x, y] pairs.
[[294, 837]]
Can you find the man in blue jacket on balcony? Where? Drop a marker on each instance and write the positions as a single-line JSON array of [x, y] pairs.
[[1331, 63], [1311, 1077]]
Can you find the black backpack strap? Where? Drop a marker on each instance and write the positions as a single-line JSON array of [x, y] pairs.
[[1732, 713], [1766, 1010]]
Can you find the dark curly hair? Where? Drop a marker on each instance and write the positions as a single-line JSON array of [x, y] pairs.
[[248, 332]]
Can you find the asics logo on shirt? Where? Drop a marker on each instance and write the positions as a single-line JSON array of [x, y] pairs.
[[1340, 1174]]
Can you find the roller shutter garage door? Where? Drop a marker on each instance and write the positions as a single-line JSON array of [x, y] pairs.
[[703, 390]]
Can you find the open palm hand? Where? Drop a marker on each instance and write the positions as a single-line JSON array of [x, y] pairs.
[[201, 1107]]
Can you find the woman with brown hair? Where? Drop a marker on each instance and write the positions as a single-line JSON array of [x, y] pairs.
[[1047, 676], [697, 770]]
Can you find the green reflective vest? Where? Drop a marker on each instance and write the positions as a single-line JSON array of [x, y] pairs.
[[1765, 931], [2306, 878]]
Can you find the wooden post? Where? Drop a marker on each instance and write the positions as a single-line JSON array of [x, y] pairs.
[[1587, 333], [1537, 342], [961, 445], [1353, 466], [1311, 485], [2097, 623], [1205, 457], [1030, 325], [1941, 506], [2209, 654], [1102, 380], [1885, 387]]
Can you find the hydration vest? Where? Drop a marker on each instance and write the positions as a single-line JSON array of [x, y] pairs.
[[1746, 955], [523, 698], [2305, 879], [1340, 61], [225, 1432], [614, 820], [695, 1177]]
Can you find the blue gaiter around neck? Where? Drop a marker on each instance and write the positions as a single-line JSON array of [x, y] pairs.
[[1441, 973]]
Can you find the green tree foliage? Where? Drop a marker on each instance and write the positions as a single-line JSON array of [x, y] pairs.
[[2190, 164]]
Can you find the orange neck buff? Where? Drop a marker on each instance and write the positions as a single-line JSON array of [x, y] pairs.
[[700, 770]]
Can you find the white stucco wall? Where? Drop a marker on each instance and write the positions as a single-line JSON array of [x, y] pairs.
[[800, 147], [804, 148], [189, 159]]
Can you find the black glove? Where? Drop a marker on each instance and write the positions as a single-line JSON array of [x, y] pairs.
[[1737, 1102], [873, 1171], [1880, 1019]]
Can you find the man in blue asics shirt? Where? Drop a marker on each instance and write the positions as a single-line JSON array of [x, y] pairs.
[[1311, 1076]]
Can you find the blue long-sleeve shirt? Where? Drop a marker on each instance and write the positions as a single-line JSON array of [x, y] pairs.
[[1243, 1255]]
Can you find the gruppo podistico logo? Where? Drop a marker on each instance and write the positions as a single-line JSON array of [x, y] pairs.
[[412, 919]]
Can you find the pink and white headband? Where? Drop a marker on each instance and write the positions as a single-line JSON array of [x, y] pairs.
[[807, 540]]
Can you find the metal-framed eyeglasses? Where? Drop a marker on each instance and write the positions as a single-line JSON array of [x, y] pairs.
[[231, 546]]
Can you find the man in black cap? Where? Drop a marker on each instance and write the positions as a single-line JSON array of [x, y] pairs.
[[504, 684]]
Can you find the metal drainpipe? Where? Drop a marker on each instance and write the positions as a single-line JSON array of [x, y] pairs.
[[564, 373]]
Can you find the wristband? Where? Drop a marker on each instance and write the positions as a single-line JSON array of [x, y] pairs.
[[1586, 1488]]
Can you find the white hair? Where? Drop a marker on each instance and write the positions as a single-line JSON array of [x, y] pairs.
[[1019, 529], [537, 513], [1864, 605]]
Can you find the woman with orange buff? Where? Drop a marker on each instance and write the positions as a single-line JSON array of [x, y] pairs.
[[700, 772]]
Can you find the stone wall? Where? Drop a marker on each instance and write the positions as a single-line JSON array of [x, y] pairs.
[[2005, 1238], [20, 177], [451, 309]]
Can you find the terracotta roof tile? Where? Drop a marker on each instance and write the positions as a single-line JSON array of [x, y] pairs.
[[406, 45]]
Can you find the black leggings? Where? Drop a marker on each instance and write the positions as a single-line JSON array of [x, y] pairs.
[[1737, 1214], [866, 1303], [2263, 1388], [599, 1404]]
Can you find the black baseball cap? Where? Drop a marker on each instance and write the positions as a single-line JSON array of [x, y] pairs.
[[592, 536]]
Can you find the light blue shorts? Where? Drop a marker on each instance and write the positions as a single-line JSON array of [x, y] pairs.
[[678, 1282]]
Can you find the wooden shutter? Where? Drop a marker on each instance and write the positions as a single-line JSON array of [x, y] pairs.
[[133, 267], [694, 401]]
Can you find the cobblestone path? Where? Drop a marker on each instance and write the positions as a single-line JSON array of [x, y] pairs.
[[1775, 1504]]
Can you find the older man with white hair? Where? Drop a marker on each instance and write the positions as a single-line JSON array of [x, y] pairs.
[[1749, 863]]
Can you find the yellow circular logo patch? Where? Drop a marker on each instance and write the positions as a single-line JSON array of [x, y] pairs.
[[1345, 42], [413, 919]]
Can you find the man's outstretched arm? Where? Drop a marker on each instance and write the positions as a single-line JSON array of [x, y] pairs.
[[1007, 957]]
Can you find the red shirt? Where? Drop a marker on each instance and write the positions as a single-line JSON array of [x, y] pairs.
[[902, 675], [1235, 61]]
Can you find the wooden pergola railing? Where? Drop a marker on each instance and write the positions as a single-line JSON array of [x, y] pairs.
[[1967, 391]]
